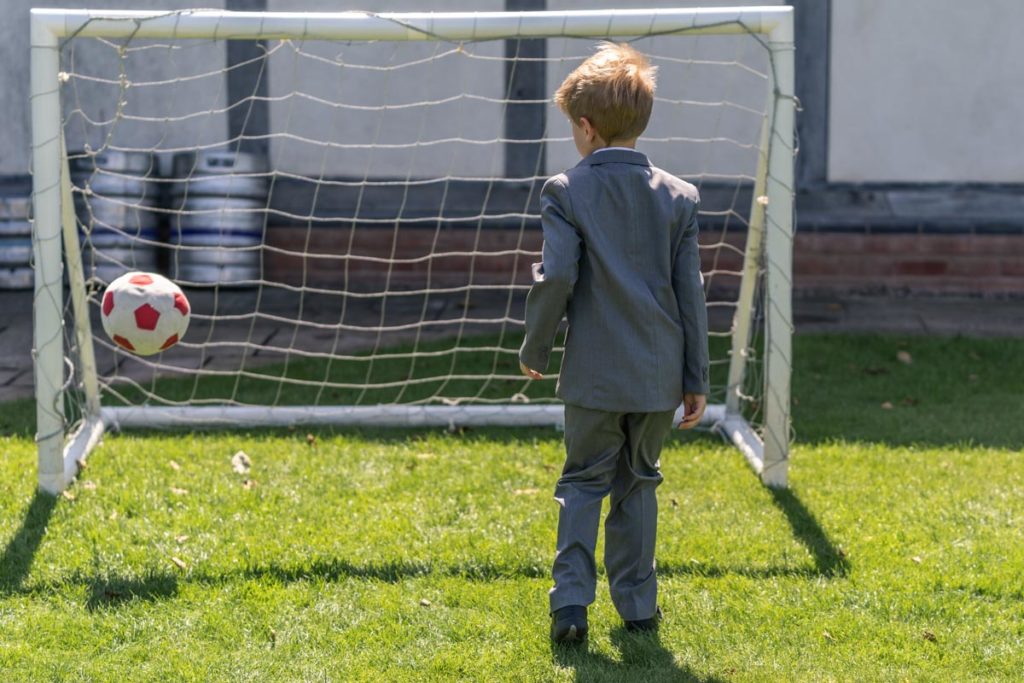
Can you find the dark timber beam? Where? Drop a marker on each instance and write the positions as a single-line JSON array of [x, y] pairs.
[[247, 78], [525, 80], [812, 28]]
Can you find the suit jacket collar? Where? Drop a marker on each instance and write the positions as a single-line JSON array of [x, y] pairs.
[[615, 156]]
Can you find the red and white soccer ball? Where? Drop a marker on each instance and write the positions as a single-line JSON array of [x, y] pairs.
[[144, 313]]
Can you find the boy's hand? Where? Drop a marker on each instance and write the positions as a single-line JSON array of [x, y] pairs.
[[530, 372], [695, 405]]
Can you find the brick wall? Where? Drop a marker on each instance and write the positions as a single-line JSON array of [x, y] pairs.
[[921, 262], [369, 249], [840, 262]]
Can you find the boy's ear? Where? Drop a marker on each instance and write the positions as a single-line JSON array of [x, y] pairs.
[[588, 128]]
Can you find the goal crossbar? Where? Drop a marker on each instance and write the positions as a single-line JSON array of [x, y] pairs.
[[412, 25]]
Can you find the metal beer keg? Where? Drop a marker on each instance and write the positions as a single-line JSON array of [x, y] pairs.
[[15, 243], [116, 200], [218, 202]]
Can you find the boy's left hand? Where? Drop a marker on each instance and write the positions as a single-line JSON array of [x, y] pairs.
[[695, 405], [530, 372]]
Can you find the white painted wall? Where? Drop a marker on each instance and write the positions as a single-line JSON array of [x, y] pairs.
[[921, 90], [99, 101], [684, 73], [387, 73], [926, 90], [312, 108]]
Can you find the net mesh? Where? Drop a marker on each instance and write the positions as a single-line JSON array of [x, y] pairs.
[[370, 241]]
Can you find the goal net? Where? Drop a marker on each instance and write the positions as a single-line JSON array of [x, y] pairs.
[[350, 201]]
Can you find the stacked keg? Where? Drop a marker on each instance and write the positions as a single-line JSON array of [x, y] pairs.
[[15, 243], [116, 199], [218, 208]]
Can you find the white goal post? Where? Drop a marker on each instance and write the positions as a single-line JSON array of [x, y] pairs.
[[66, 367]]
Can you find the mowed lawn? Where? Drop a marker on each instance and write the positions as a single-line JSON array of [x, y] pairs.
[[897, 553]]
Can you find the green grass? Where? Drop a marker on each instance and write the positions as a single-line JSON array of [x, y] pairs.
[[422, 555]]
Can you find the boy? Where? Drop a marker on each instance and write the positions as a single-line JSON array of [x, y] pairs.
[[620, 260]]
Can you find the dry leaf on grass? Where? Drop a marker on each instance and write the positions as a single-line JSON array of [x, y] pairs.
[[928, 635], [179, 563], [827, 636], [311, 439], [241, 463], [174, 466], [181, 539], [904, 357], [887, 405], [89, 485], [424, 602], [249, 484], [179, 492], [525, 492], [917, 559], [68, 495]]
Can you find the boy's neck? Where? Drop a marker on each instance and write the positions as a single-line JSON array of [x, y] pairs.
[[615, 144]]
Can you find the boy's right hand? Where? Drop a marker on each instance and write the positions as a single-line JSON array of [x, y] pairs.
[[695, 405], [529, 372]]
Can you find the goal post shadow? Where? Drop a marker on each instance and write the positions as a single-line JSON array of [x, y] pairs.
[[20, 551]]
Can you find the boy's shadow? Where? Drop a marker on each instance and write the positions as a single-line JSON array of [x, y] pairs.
[[643, 658]]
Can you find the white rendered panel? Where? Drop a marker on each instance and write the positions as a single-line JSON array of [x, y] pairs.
[[14, 80], [926, 91]]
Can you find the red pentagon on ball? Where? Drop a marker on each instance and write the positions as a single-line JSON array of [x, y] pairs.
[[181, 303], [171, 341], [121, 341], [141, 279], [108, 302], [146, 317]]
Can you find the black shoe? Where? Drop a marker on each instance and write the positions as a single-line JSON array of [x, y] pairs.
[[642, 625], [569, 624]]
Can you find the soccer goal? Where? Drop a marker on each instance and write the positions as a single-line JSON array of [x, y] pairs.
[[350, 201]]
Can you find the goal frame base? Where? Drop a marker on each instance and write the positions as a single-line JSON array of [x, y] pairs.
[[730, 426]]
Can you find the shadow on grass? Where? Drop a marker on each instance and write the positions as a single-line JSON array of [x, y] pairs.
[[898, 390], [106, 592], [829, 560], [16, 561], [333, 569], [643, 658]]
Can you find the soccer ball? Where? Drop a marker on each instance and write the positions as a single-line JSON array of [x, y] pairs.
[[144, 313]]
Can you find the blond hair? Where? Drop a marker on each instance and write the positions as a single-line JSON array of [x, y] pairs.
[[614, 89]]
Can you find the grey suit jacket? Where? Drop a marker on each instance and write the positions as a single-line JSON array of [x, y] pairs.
[[620, 261]]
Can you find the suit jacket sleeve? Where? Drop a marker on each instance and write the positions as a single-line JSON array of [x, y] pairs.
[[689, 288], [553, 278]]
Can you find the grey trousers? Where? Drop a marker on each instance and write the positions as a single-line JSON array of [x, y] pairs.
[[616, 454]]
